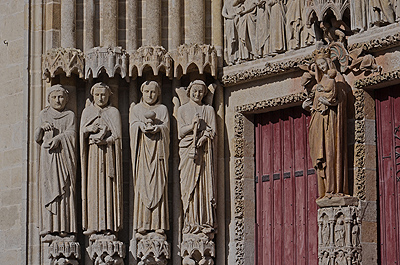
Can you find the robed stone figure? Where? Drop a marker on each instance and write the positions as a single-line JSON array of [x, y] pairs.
[[149, 136], [101, 151], [197, 133], [56, 136]]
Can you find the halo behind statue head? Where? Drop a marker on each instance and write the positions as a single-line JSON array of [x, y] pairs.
[[54, 88]]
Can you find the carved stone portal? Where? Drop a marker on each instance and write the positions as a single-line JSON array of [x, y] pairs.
[[106, 249], [339, 235], [63, 250], [156, 57], [153, 249], [67, 60], [197, 249], [110, 60]]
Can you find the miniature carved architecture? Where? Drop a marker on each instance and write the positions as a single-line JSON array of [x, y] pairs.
[[170, 132]]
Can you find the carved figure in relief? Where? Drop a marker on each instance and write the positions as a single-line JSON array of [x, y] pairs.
[[327, 131], [56, 136], [325, 234], [325, 260], [230, 13], [197, 132], [101, 158], [355, 240], [381, 12], [263, 25], [294, 23], [247, 29], [149, 137], [277, 27], [339, 233], [359, 15], [340, 259], [332, 33]]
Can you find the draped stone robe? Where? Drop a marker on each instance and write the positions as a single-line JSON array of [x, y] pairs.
[[101, 171], [197, 175], [57, 171], [150, 154]]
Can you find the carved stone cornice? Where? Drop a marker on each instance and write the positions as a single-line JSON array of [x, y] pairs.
[[107, 59], [319, 7], [156, 57], [268, 69], [377, 43], [67, 60], [203, 56], [377, 79]]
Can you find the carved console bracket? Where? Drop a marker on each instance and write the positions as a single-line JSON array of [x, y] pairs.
[[156, 57], [204, 57], [197, 249], [106, 249], [67, 60], [153, 249], [64, 250], [339, 235], [319, 8], [107, 59]]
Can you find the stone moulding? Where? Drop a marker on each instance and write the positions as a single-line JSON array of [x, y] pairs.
[[67, 60], [377, 79], [203, 56], [107, 59], [377, 43], [359, 145], [156, 57]]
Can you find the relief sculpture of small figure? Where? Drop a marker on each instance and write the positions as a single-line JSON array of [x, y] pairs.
[[101, 159], [339, 233], [56, 136]]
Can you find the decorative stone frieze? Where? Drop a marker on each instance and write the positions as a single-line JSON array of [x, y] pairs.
[[106, 249], [153, 249], [197, 249], [377, 79], [156, 57], [107, 59], [202, 56], [64, 250], [67, 60], [377, 43], [339, 235]]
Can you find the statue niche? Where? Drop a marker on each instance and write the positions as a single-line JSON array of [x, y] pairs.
[[149, 136]]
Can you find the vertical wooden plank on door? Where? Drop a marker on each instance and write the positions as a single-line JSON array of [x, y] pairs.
[[396, 166], [258, 231], [288, 189]]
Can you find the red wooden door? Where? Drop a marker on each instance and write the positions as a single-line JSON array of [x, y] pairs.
[[388, 142], [286, 190]]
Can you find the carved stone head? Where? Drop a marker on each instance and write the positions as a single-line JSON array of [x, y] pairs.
[[197, 90], [151, 92], [101, 94], [57, 96]]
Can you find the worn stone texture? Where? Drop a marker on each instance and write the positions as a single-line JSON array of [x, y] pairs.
[[11, 132]]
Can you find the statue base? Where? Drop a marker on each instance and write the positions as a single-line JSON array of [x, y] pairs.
[[337, 201], [152, 249], [63, 250], [106, 249], [339, 235], [197, 249]]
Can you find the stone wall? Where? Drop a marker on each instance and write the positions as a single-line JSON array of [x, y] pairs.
[[12, 127]]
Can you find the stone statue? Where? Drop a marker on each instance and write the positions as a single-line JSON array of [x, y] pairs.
[[359, 15], [197, 132], [248, 48], [381, 12], [340, 259], [149, 132], [57, 171], [339, 233], [355, 240], [294, 23], [230, 14], [325, 260], [101, 159], [262, 28], [277, 26], [327, 132]]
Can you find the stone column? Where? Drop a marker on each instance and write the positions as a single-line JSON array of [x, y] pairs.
[[108, 23], [88, 25], [68, 36], [174, 22], [196, 22], [131, 25], [153, 22], [217, 27], [53, 24]]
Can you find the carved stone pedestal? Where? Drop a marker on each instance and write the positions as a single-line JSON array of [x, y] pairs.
[[63, 250], [197, 249], [339, 235], [106, 249], [152, 249]]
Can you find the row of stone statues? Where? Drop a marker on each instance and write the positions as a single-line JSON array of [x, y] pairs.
[[100, 135], [258, 28]]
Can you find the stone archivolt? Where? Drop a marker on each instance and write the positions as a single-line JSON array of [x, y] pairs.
[[67, 60], [156, 57]]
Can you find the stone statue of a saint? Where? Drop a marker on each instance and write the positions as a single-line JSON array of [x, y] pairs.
[[247, 10], [101, 160], [229, 12], [277, 26], [149, 136], [327, 132], [197, 133], [381, 12], [56, 136]]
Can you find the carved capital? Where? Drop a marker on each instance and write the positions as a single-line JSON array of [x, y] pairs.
[[200, 244], [107, 59], [63, 250], [156, 57], [204, 57], [106, 249], [59, 60], [153, 249]]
